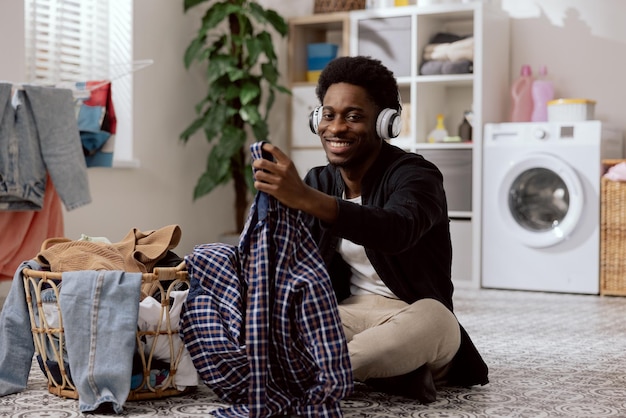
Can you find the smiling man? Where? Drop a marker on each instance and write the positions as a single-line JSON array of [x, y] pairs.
[[380, 218]]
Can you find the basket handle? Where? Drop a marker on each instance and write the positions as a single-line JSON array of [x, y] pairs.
[[167, 273]]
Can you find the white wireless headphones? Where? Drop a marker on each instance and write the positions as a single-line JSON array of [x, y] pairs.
[[388, 122]]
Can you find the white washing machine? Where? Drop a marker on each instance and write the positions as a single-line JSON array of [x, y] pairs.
[[541, 204]]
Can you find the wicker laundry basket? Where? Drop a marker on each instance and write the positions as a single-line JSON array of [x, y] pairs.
[[327, 6], [612, 234], [161, 281]]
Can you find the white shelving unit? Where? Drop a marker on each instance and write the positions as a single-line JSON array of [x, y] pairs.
[[397, 36]]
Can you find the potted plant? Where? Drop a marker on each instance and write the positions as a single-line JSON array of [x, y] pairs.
[[242, 75]]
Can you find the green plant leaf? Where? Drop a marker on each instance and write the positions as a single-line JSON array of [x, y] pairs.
[[193, 50], [217, 172], [267, 45], [277, 22], [218, 66], [232, 92], [250, 114], [270, 73], [217, 13], [191, 129], [255, 49], [269, 103], [235, 46], [249, 92], [214, 120], [249, 177], [236, 74], [232, 140], [188, 4], [269, 16], [261, 130], [283, 89]]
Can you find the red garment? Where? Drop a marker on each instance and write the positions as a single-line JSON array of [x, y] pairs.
[[101, 96], [23, 232]]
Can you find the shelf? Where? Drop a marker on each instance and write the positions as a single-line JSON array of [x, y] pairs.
[[317, 28], [397, 37], [447, 79]]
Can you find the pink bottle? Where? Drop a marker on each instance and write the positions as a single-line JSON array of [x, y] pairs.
[[543, 92], [521, 96]]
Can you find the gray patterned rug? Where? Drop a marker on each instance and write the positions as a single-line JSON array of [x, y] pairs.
[[550, 355]]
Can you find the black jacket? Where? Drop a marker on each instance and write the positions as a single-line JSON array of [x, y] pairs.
[[404, 226]]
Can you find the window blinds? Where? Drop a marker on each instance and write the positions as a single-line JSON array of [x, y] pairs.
[[67, 40], [81, 40]]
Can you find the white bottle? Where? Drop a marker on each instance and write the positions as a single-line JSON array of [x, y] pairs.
[[543, 92]]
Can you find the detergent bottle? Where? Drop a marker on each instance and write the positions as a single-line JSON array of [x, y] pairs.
[[521, 96], [542, 92], [440, 132]]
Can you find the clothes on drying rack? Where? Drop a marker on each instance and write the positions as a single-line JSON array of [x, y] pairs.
[[97, 122], [24, 231], [39, 136]]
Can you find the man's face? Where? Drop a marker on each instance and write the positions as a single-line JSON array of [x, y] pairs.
[[348, 126]]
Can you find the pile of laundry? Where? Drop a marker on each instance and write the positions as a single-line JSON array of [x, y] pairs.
[[447, 53], [101, 295]]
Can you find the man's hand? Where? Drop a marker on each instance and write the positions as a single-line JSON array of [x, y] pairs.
[[280, 179]]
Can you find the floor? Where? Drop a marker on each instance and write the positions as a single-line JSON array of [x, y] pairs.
[[550, 355]]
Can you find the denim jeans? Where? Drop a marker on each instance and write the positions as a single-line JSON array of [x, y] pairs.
[[100, 310], [16, 340], [40, 135]]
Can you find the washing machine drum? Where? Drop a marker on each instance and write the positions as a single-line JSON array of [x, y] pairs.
[[541, 200]]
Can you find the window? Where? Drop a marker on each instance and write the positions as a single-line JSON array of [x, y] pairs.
[[80, 40]]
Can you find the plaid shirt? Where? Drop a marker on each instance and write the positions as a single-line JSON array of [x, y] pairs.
[[261, 321]]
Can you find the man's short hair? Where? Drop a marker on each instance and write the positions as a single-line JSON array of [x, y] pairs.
[[366, 72]]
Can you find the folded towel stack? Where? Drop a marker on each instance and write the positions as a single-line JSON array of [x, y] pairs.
[[448, 54]]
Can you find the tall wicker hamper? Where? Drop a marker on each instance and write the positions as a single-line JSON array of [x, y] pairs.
[[612, 234], [162, 281]]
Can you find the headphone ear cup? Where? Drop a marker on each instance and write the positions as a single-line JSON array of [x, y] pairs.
[[388, 124], [315, 117]]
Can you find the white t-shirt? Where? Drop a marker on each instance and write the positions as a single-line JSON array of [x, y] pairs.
[[364, 280]]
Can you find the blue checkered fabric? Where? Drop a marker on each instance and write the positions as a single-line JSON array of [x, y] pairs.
[[261, 321]]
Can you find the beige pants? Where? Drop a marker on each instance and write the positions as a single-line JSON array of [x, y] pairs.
[[388, 337]]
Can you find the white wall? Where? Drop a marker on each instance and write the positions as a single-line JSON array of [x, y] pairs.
[[582, 42]]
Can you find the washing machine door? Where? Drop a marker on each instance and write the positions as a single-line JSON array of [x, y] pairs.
[[541, 199]]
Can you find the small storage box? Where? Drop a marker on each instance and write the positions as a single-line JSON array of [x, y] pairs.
[[571, 110], [318, 55], [612, 234], [160, 281]]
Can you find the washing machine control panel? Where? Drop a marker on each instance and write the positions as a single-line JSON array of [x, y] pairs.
[[540, 133], [556, 133]]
